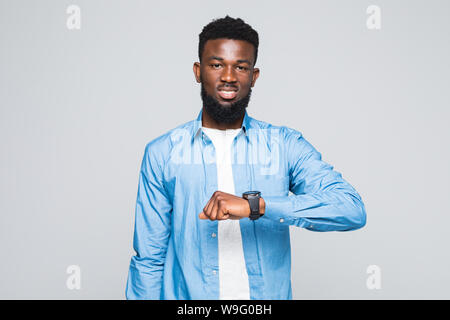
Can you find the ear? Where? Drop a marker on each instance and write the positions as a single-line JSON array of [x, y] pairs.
[[196, 68], [255, 76]]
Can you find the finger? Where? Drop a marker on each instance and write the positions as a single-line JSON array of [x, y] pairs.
[[225, 216], [203, 216], [213, 210], [221, 214], [205, 209]]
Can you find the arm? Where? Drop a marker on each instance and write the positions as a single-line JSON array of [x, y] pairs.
[[151, 231], [322, 200]]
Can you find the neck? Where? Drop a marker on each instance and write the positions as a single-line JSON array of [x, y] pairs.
[[209, 122]]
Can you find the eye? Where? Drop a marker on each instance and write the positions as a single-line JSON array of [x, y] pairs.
[[241, 68], [215, 65]]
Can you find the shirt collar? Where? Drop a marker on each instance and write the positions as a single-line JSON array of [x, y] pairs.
[[246, 125]]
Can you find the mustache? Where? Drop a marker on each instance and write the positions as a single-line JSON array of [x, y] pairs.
[[227, 86]]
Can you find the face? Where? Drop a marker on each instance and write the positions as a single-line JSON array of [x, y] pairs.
[[227, 75]]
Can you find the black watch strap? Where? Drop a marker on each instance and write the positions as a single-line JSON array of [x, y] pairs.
[[254, 208], [253, 200]]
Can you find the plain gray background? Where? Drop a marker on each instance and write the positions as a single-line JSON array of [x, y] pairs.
[[79, 106]]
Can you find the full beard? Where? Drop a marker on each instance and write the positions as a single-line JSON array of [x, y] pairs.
[[225, 114]]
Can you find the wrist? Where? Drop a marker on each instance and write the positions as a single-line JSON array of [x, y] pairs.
[[256, 204]]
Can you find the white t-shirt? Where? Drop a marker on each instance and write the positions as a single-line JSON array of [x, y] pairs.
[[233, 277]]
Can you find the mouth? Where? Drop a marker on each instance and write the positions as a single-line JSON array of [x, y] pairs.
[[227, 93]]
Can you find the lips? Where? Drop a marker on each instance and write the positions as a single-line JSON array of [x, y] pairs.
[[227, 93]]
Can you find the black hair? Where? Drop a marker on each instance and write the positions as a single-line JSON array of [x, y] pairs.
[[229, 28]]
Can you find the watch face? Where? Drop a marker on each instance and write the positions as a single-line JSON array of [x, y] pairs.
[[251, 193]]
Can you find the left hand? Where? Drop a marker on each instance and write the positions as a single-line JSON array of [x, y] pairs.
[[223, 206]]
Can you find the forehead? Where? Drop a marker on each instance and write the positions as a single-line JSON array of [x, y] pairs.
[[229, 49]]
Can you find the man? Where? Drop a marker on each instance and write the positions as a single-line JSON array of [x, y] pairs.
[[213, 206]]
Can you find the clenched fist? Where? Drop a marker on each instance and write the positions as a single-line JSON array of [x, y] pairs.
[[223, 206]]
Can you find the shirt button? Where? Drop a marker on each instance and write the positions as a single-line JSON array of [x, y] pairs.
[[281, 220], [213, 235], [311, 226], [214, 272]]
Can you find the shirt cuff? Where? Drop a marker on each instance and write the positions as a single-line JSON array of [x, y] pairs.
[[280, 208]]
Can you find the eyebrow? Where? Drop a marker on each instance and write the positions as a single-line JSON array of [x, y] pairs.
[[221, 59]]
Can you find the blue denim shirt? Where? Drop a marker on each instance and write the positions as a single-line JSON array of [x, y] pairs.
[[177, 253]]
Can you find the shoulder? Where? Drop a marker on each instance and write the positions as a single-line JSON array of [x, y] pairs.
[[287, 133], [294, 143]]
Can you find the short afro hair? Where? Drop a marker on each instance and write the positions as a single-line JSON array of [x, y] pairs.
[[229, 28]]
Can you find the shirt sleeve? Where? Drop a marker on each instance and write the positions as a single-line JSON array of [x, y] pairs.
[[322, 200], [151, 230]]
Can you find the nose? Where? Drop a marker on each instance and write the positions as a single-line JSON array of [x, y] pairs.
[[228, 74]]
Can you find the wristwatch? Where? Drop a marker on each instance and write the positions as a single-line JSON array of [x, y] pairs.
[[253, 200]]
